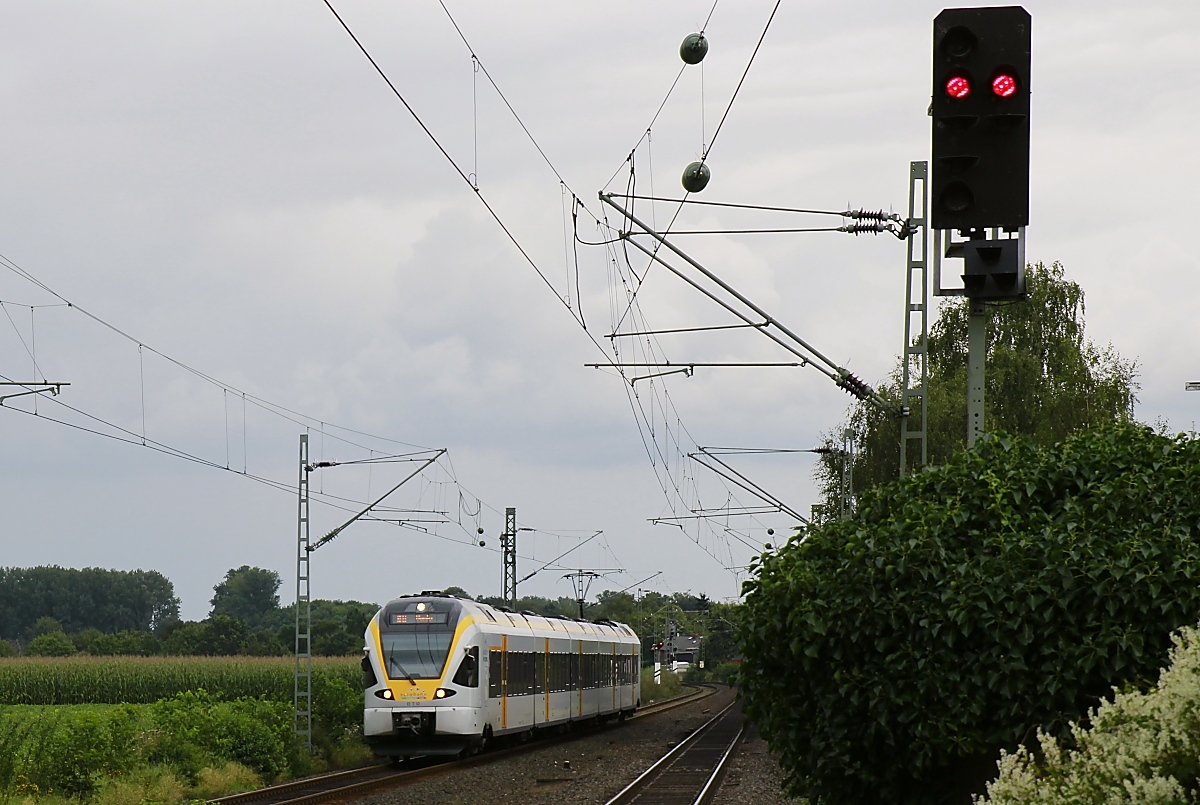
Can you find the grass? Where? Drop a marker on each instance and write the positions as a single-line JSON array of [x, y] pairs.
[[668, 688]]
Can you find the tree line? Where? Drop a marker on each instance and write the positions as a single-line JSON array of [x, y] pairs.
[[648, 615], [55, 611], [88, 598], [246, 618]]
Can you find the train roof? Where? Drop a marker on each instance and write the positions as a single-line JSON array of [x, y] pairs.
[[504, 616]]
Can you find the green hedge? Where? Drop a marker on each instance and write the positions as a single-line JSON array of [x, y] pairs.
[[890, 657]]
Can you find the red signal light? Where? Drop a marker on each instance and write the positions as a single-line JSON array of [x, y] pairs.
[[1004, 85], [958, 87]]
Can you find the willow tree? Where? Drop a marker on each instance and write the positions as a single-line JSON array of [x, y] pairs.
[[1045, 381]]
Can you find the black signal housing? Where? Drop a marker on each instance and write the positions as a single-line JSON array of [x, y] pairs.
[[979, 175]]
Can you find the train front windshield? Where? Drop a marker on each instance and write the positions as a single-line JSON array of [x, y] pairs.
[[416, 637]]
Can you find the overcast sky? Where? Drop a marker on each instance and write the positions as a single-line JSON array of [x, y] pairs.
[[233, 187]]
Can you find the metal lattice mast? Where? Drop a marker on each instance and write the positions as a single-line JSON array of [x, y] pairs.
[[914, 419], [508, 557], [302, 697], [846, 484]]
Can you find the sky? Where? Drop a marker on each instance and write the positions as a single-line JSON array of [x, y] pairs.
[[258, 239]]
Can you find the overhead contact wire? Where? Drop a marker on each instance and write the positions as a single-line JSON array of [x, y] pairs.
[[412, 112]]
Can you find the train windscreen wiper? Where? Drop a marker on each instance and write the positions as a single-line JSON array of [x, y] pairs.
[[392, 661]]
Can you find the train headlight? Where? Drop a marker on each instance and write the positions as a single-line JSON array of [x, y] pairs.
[[442, 693], [386, 693]]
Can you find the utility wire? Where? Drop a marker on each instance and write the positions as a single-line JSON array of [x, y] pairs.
[[741, 81], [667, 97], [495, 86], [291, 415], [466, 179], [716, 133]]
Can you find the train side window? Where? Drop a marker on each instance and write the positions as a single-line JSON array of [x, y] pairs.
[[468, 670], [527, 672], [516, 673], [495, 658]]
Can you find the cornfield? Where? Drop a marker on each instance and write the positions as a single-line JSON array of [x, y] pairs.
[[143, 680]]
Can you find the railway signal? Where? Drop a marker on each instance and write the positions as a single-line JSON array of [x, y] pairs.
[[980, 166], [979, 171]]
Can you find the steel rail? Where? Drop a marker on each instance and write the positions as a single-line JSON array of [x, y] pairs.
[[634, 789], [379, 776], [713, 784]]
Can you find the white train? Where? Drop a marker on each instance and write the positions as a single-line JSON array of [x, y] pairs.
[[445, 675]]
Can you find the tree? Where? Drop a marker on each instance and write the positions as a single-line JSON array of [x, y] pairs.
[[183, 638], [250, 594], [127, 643], [220, 635], [46, 625], [330, 638], [264, 644], [1045, 380], [340, 630], [890, 656]]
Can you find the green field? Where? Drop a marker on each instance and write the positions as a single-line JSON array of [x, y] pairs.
[[116, 730], [144, 680]]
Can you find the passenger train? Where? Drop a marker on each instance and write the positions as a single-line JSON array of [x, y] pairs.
[[445, 675]]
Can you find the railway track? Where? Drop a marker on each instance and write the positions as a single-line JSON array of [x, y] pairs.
[[354, 783], [690, 773]]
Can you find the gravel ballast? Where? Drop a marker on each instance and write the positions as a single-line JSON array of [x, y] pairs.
[[753, 776], [589, 769]]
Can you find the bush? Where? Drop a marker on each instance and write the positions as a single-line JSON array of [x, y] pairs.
[[83, 640], [891, 656], [50, 644], [1141, 747], [668, 687], [337, 706], [195, 728], [726, 672], [65, 753]]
